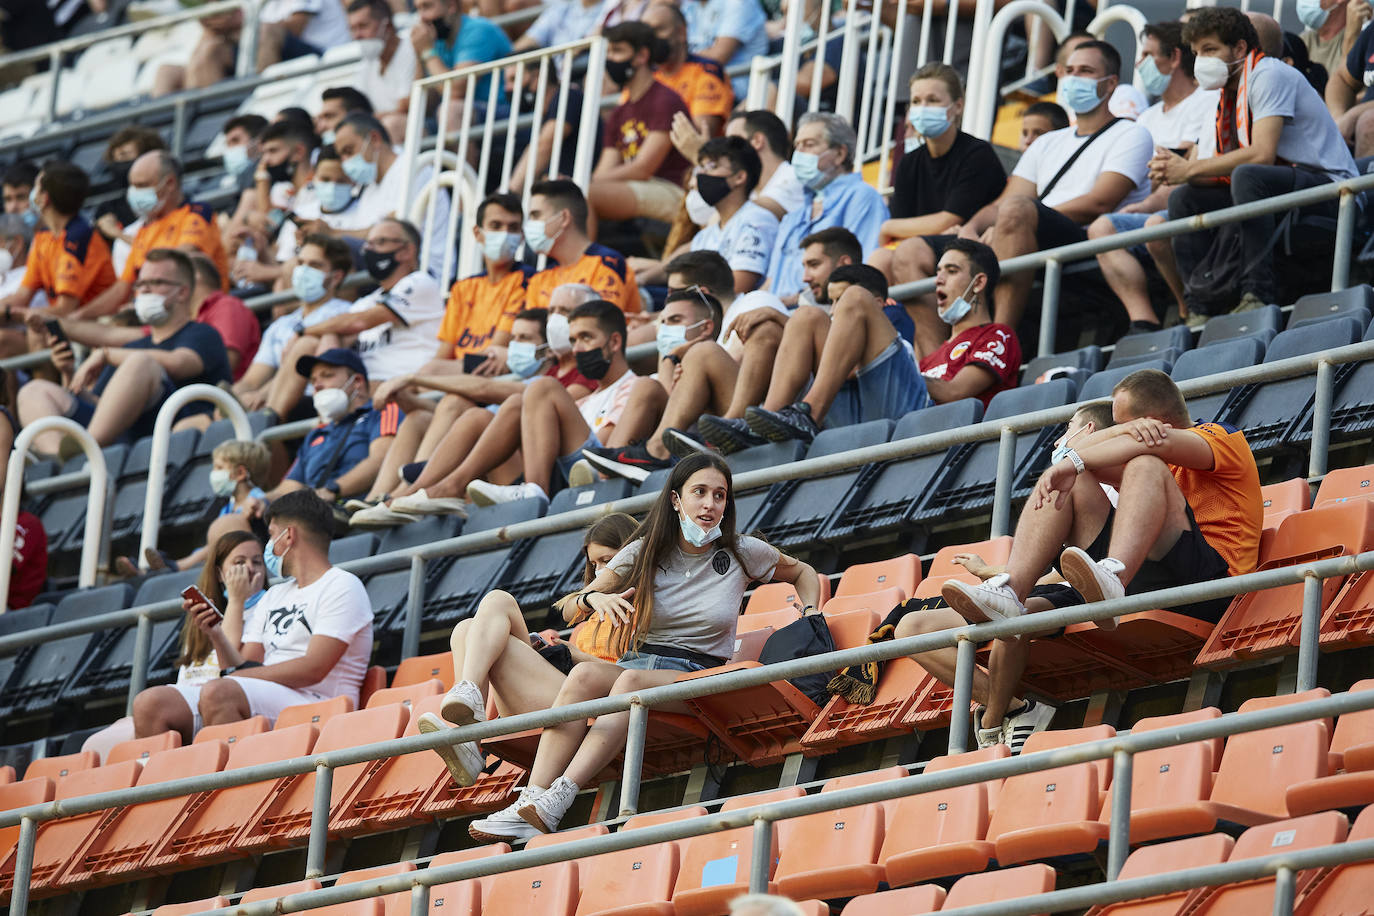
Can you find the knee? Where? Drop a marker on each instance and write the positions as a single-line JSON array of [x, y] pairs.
[[703, 354], [34, 393], [153, 708], [544, 385], [1145, 468], [882, 260], [648, 389], [1101, 227], [221, 701], [582, 683], [765, 337], [630, 681], [1017, 212], [807, 319], [916, 624], [913, 256]]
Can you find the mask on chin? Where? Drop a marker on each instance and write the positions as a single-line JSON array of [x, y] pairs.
[[955, 312], [696, 535]]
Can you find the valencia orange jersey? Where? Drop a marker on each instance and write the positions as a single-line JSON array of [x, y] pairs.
[[74, 263], [703, 86], [190, 224], [478, 308], [1226, 500], [601, 268]]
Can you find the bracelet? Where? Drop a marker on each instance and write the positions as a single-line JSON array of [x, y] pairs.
[[1078, 465], [431, 53], [809, 607]]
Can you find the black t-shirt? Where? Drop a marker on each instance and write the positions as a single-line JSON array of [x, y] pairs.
[[1360, 62], [207, 343], [963, 181]]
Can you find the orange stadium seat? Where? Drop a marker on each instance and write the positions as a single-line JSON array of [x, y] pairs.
[[397, 904], [715, 866], [21, 794], [316, 714], [1345, 484], [910, 901], [638, 881], [369, 906], [1160, 859], [1345, 888], [835, 853], [57, 767], [997, 886], [842, 723], [231, 732], [420, 668], [141, 749], [286, 817], [205, 834], [943, 832], [194, 906], [549, 890], [774, 596], [6, 775], [444, 798], [374, 679], [116, 850], [1352, 751], [902, 572], [407, 696], [1257, 896], [460, 898], [1054, 812], [1283, 499], [1169, 776]]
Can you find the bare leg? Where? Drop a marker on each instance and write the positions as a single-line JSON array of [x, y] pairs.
[[498, 442], [755, 369], [1005, 667], [457, 441], [160, 709], [550, 426], [1151, 513], [867, 333], [1124, 274], [271, 37], [212, 62], [914, 260], [803, 342], [708, 378], [400, 453], [135, 385], [288, 385], [446, 413], [1163, 253], [558, 743], [492, 650], [942, 662], [40, 398], [223, 701], [606, 738], [1042, 533], [1014, 234], [881, 258], [641, 414]]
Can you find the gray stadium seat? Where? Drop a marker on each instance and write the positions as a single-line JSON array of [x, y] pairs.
[[1151, 345], [1357, 301], [1100, 385], [1262, 324]]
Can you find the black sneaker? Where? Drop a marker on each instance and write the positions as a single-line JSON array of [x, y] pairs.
[[683, 443], [1017, 726], [632, 462], [727, 436], [793, 422]]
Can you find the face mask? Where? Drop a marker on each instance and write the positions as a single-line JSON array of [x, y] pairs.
[[30, 217], [442, 30], [151, 308], [522, 358], [308, 283], [911, 144], [807, 167], [956, 310], [929, 120], [713, 188], [359, 170], [327, 138], [1211, 72], [330, 403], [1311, 14], [1079, 93], [620, 72], [593, 364], [6, 260], [1155, 82], [271, 560], [1061, 450], [536, 237], [557, 333], [498, 246], [379, 266], [141, 200], [33, 202], [221, 484], [333, 195], [247, 605], [696, 535], [370, 48], [282, 171], [672, 336], [698, 210], [236, 159]]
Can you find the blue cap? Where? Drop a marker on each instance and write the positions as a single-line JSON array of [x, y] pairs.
[[338, 356]]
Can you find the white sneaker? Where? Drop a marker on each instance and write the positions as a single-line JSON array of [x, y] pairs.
[[1018, 726], [380, 517], [464, 760], [506, 825], [463, 704], [420, 503], [987, 737], [544, 812], [990, 600], [1095, 581], [582, 474], [491, 494]]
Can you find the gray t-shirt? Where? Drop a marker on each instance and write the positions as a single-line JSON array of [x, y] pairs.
[[697, 598], [1310, 137]]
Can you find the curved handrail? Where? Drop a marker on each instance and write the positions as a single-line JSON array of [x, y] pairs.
[[1121, 13], [981, 120], [157, 461], [95, 501]]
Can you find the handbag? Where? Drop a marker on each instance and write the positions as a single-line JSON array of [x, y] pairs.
[[807, 636]]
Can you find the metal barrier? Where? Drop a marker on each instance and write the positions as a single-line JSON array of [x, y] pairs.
[[93, 543], [157, 462]]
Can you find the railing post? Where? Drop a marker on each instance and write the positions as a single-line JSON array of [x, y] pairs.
[[1006, 471], [963, 696], [1310, 632], [761, 864], [419, 900], [1285, 890], [143, 647], [1049, 307], [1119, 839], [634, 758], [54, 70], [1345, 240], [787, 72], [319, 821], [1318, 456], [23, 867], [415, 606], [247, 63]]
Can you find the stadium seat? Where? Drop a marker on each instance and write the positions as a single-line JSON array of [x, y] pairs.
[[834, 854], [882, 496], [1283, 499], [443, 798], [1151, 345], [354, 547], [536, 568], [1169, 776], [1266, 623], [1100, 384], [550, 890], [7, 775], [206, 834], [300, 887], [121, 838], [638, 881], [1352, 407], [1318, 307], [1089, 358], [233, 732], [397, 904], [1350, 762], [1251, 780], [903, 572], [406, 696], [110, 664], [1161, 859], [1257, 895], [1002, 885], [1345, 888], [1222, 356], [34, 790], [388, 797], [317, 714], [460, 898], [775, 596], [192, 907], [388, 593], [792, 516], [1261, 324], [56, 768], [941, 833], [285, 820], [127, 519], [141, 749], [420, 668], [910, 901], [1345, 484], [715, 866]]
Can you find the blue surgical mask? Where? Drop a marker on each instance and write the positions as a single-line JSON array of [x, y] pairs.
[[327, 138], [333, 195], [522, 358], [696, 535], [535, 236], [671, 336], [499, 246], [1079, 93], [807, 167], [236, 159], [272, 561], [141, 200], [308, 283], [33, 201], [1061, 451], [1311, 14], [1154, 82], [956, 310], [30, 217], [254, 599], [929, 120], [359, 170]]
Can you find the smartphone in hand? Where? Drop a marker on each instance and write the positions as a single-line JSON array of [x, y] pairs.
[[54, 328], [193, 594]]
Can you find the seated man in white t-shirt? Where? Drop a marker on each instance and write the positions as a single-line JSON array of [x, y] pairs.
[[1180, 119], [295, 28], [307, 639], [1045, 205], [388, 67]]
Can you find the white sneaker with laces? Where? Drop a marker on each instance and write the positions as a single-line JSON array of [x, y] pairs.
[[990, 600], [420, 503], [1095, 580], [380, 517], [987, 737], [506, 825], [544, 812], [490, 494], [1018, 726], [464, 760], [463, 704]]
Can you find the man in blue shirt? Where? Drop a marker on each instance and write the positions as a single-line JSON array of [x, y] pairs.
[[729, 32], [834, 195], [340, 457], [445, 39]]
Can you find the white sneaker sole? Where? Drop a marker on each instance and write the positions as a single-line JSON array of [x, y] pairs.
[[486, 832], [480, 496], [615, 468], [464, 761], [963, 598], [459, 713], [1081, 572], [442, 506]]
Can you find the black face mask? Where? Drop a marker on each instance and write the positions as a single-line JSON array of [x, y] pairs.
[[442, 30], [379, 266], [527, 99], [282, 171], [620, 71], [119, 171], [713, 188], [593, 364]]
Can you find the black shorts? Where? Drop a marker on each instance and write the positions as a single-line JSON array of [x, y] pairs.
[[1054, 230], [1190, 561]]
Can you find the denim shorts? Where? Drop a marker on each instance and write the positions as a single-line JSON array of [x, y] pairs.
[[564, 463], [1126, 222], [888, 388], [644, 661]]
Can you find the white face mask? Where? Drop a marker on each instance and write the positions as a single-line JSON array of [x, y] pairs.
[[1211, 72], [6, 260], [558, 333], [221, 484], [370, 48], [956, 310], [696, 535], [698, 210], [151, 308], [330, 403]]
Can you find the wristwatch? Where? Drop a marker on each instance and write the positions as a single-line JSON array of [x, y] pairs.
[[332, 485]]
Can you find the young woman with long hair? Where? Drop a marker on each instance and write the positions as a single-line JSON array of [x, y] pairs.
[[668, 603]]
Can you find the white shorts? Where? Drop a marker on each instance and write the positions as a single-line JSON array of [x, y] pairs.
[[265, 698]]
